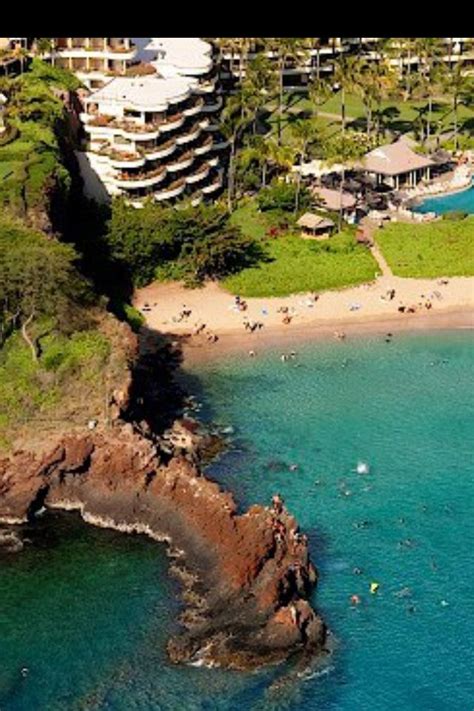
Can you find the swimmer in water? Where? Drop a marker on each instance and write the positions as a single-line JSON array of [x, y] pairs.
[[24, 671], [357, 571]]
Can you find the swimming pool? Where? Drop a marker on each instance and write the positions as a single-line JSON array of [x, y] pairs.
[[441, 204]]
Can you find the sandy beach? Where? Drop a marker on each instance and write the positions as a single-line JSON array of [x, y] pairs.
[[359, 310]]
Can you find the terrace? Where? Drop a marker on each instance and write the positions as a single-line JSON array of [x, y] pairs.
[[140, 180], [181, 162], [173, 190]]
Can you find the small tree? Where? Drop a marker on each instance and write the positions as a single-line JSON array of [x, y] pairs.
[[39, 279]]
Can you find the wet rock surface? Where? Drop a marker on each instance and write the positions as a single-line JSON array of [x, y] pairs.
[[245, 577]]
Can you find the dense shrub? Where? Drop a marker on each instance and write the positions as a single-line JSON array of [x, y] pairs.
[[282, 196], [190, 243]]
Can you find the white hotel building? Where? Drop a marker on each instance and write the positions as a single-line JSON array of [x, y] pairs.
[[151, 127]]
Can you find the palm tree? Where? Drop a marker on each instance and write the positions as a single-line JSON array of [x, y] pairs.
[[304, 133], [44, 45], [21, 54], [239, 46], [259, 84], [346, 151], [345, 69], [429, 51], [287, 49], [460, 86], [236, 117], [319, 91]]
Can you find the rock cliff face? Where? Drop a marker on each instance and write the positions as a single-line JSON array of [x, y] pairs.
[[245, 577]]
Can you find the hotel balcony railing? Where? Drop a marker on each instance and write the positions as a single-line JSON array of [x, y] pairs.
[[160, 151], [196, 107], [182, 162], [108, 49], [171, 122], [215, 185], [199, 174], [204, 147], [140, 180], [191, 133], [215, 106], [220, 144], [172, 190]]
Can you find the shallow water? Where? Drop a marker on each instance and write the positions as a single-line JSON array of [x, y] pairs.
[[88, 611], [463, 201]]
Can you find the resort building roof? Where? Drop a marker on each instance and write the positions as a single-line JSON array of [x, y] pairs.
[[395, 159], [147, 93], [333, 200], [176, 55]]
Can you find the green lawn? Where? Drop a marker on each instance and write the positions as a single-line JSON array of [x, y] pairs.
[[399, 115], [296, 265], [444, 248]]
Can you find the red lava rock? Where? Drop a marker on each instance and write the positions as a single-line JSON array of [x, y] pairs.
[[246, 577]]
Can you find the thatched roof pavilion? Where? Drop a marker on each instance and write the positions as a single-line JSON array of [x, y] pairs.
[[315, 224]]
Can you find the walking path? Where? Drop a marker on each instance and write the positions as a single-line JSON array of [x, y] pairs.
[[370, 229]]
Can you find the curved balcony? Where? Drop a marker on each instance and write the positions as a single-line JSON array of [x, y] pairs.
[[215, 185], [212, 126], [140, 132], [117, 161], [172, 122], [172, 191], [221, 144], [81, 52], [196, 108], [205, 146], [182, 162], [112, 126], [165, 149], [192, 133], [215, 106], [143, 180], [201, 173]]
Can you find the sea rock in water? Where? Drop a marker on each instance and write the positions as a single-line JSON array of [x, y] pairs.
[[10, 541], [246, 577]]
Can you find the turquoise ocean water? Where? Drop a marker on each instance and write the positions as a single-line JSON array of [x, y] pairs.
[[88, 611], [463, 201]]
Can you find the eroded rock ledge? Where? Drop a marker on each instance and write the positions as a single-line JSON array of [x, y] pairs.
[[246, 577]]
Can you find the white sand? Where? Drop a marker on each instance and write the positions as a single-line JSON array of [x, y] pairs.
[[213, 306]]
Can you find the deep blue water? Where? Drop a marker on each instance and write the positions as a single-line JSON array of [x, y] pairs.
[[463, 201], [88, 611]]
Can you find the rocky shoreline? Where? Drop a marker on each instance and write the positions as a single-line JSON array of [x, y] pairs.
[[246, 578]]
